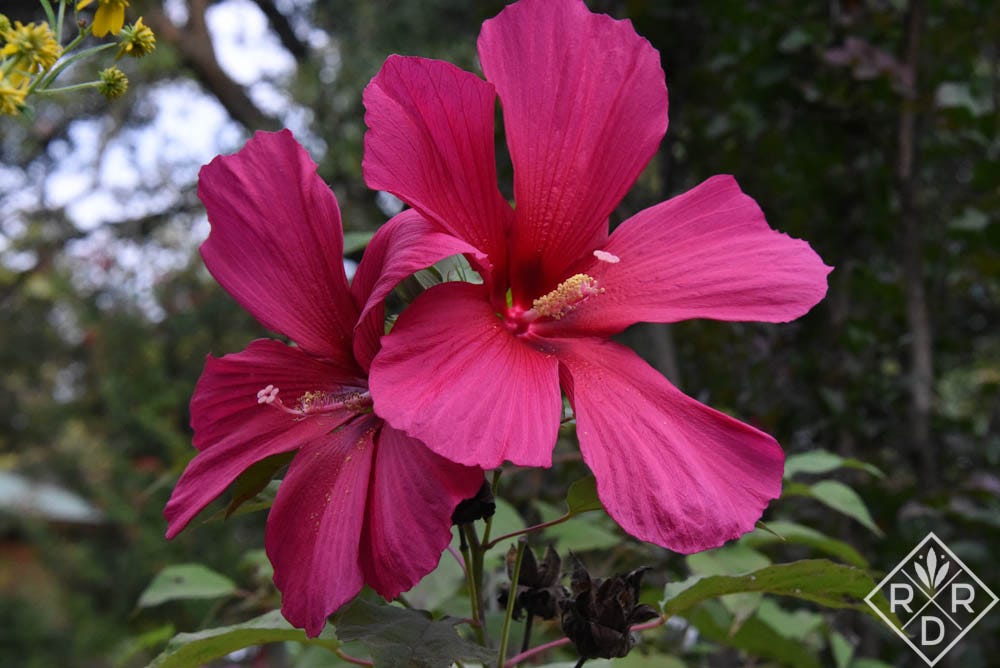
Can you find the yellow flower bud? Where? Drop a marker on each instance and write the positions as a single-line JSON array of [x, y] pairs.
[[137, 40]]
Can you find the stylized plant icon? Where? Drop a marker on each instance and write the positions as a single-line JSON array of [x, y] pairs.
[[932, 576]]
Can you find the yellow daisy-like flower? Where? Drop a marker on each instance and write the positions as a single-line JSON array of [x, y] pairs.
[[11, 98], [137, 41], [34, 48], [110, 15]]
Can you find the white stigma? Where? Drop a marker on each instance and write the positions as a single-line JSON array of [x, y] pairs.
[[268, 395]]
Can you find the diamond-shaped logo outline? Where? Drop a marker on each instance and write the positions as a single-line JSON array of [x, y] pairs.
[[906, 560]]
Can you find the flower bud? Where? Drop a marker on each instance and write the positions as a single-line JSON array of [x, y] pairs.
[[479, 507], [137, 40], [538, 589], [113, 84], [598, 616]]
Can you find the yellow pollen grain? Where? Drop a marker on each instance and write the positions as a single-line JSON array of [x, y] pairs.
[[566, 297]]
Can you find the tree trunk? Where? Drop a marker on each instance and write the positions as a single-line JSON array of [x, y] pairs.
[[921, 341]]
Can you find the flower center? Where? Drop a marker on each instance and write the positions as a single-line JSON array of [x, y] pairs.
[[567, 297], [319, 402]]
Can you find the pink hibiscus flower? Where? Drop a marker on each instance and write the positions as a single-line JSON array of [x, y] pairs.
[[475, 370], [362, 503]]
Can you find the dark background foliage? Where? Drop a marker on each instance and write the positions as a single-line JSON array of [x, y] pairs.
[[868, 127]]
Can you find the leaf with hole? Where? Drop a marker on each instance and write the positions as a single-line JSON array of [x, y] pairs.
[[185, 582]]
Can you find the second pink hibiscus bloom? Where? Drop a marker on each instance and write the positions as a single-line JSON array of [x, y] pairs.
[[362, 503]]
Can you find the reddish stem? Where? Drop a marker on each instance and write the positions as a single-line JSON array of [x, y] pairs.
[[352, 659]]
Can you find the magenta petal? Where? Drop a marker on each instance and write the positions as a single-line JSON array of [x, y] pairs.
[[315, 525], [430, 143], [452, 376], [404, 245], [412, 495], [708, 253], [585, 107], [669, 470], [233, 431], [276, 243]]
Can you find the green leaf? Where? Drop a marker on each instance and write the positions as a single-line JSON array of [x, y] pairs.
[[802, 535], [752, 636], [256, 478], [818, 580], [795, 625], [582, 533], [823, 461], [262, 501], [132, 646], [733, 559], [582, 496], [794, 39], [405, 638], [506, 519], [842, 650], [184, 582], [838, 496], [437, 591], [635, 659], [191, 650], [356, 241]]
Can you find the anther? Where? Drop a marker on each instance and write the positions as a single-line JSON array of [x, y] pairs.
[[567, 296]]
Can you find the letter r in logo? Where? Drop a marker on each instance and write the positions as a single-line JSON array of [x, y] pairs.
[[895, 601], [963, 601]]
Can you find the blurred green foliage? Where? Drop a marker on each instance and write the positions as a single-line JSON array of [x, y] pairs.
[[96, 372]]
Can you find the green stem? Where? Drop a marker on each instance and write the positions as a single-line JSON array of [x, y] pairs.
[[43, 82], [579, 664], [531, 529], [477, 620], [511, 601], [67, 89], [495, 485], [478, 552], [49, 14], [59, 19]]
